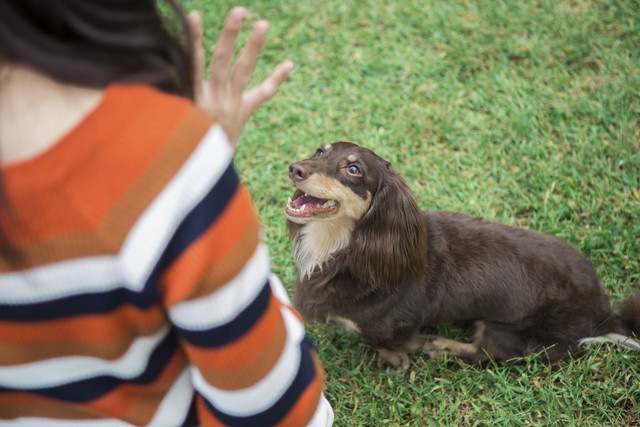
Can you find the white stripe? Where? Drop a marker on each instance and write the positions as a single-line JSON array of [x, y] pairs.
[[224, 305], [62, 279], [323, 417], [176, 403], [149, 237], [278, 289], [266, 392], [64, 370], [142, 247]]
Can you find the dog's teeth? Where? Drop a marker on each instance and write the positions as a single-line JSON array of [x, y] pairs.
[[288, 200], [302, 208]]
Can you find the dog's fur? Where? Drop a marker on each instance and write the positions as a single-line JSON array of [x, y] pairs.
[[369, 258]]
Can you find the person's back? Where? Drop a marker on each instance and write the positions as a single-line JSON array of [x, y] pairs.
[[134, 287]]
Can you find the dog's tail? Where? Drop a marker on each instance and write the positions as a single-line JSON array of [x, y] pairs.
[[629, 312]]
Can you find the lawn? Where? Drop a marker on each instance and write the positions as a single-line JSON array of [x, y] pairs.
[[524, 112]]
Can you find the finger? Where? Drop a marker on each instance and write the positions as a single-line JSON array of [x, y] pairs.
[[246, 63], [194, 21], [265, 90], [223, 53]]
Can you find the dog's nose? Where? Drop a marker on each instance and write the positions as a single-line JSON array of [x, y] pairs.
[[298, 172]]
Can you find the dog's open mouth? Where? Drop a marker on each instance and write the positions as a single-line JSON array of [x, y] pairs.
[[306, 205]]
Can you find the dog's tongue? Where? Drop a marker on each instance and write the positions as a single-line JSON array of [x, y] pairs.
[[307, 200], [305, 206]]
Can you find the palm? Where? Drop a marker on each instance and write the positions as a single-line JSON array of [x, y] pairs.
[[224, 96]]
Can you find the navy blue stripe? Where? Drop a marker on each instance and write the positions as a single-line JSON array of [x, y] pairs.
[[75, 305], [236, 328], [191, 419], [282, 407], [205, 213], [96, 387]]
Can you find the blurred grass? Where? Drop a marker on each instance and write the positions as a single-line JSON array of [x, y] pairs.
[[522, 112]]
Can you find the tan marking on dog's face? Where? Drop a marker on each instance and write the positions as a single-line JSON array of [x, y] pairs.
[[327, 227], [352, 207], [322, 236]]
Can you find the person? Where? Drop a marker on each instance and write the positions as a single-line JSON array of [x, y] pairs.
[[134, 286]]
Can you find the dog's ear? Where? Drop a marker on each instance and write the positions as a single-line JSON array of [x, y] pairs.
[[389, 244]]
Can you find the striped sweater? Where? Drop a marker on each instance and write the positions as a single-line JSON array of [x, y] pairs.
[[143, 293]]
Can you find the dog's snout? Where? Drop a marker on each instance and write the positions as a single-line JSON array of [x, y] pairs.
[[298, 172]]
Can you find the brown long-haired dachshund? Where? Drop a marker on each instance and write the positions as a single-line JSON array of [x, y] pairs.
[[369, 258]]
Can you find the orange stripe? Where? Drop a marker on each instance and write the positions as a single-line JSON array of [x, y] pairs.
[[137, 403], [229, 265], [98, 328], [106, 336], [247, 360], [20, 404], [183, 276]]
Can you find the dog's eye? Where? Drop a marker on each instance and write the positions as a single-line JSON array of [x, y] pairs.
[[353, 170], [319, 152]]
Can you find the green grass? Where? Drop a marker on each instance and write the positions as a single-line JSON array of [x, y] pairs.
[[524, 112]]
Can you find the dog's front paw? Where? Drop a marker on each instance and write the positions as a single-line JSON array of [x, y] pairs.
[[393, 361]]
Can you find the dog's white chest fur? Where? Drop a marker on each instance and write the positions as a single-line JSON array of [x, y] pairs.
[[316, 243]]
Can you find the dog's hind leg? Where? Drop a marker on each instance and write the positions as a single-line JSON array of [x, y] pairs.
[[437, 346], [488, 343]]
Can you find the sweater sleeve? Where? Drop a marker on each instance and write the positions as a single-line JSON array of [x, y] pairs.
[[251, 362]]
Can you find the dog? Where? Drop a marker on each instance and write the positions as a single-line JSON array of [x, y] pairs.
[[369, 258]]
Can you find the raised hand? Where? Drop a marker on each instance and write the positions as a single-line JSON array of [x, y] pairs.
[[224, 95]]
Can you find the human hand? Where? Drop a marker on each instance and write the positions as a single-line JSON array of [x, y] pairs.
[[224, 96]]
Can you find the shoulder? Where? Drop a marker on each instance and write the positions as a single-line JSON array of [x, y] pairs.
[[133, 102], [146, 123], [161, 142]]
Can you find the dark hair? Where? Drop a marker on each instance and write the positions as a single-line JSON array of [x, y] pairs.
[[97, 42]]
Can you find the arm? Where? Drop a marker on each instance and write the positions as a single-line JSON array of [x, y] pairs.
[[251, 361]]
